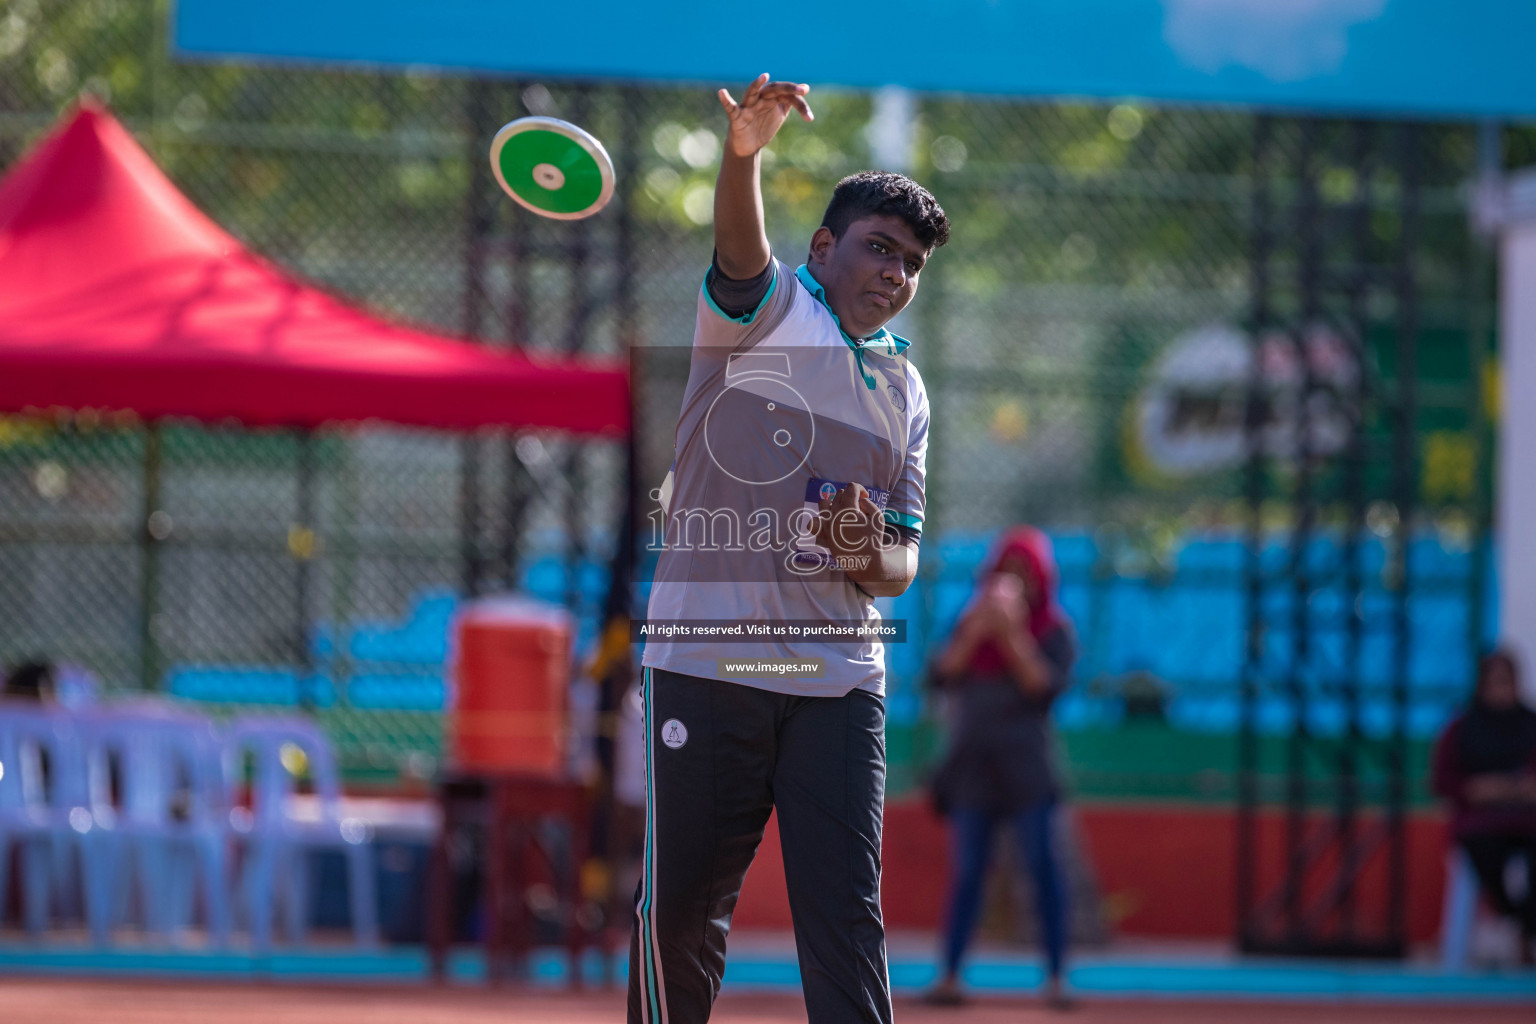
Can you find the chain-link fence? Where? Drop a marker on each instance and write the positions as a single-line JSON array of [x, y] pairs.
[[1085, 340]]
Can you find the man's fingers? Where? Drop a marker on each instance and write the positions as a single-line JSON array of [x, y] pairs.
[[853, 498], [820, 524], [762, 90], [783, 91], [804, 108], [755, 88], [729, 104]]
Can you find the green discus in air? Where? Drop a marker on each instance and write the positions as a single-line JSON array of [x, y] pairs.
[[552, 167]]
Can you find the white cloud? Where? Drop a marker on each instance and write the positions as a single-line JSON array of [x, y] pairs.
[[1283, 40]]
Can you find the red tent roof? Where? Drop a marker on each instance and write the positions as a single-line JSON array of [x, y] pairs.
[[117, 293]]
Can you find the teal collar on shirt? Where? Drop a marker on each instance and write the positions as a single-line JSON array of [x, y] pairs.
[[882, 342]]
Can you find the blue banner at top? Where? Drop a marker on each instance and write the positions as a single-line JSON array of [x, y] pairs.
[[1433, 58]]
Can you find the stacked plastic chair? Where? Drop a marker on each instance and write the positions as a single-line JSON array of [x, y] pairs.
[[275, 844], [1458, 909], [162, 836], [43, 819], [138, 806]]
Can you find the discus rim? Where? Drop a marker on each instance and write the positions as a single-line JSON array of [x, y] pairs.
[[575, 133]]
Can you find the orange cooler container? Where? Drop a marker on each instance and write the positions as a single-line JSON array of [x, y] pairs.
[[510, 668]]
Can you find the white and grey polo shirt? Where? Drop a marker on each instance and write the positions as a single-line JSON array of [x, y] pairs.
[[782, 404]]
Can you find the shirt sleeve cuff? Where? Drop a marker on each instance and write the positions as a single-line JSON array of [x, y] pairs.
[[713, 282]]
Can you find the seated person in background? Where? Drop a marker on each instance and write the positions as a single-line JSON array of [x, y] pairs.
[[32, 680], [1485, 766]]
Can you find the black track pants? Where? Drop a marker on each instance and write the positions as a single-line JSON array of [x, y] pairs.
[[720, 757]]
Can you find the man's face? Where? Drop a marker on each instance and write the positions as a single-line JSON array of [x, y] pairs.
[[1499, 690], [870, 273]]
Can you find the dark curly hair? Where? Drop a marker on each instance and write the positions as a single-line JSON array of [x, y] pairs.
[[875, 193]]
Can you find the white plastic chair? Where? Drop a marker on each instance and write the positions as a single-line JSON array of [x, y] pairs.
[[171, 811], [1458, 910], [275, 866], [42, 814]]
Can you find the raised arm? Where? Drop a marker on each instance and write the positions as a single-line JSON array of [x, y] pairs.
[[741, 242], [987, 619]]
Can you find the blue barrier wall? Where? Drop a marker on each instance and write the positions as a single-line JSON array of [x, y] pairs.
[[1180, 630]]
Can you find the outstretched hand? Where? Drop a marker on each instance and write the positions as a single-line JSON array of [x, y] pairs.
[[761, 113]]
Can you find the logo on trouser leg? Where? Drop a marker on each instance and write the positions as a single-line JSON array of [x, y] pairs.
[[674, 733]]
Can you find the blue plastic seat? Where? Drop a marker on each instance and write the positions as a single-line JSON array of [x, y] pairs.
[[1458, 910], [163, 836], [275, 842], [43, 818]]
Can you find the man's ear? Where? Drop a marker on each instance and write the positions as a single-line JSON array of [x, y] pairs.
[[821, 244]]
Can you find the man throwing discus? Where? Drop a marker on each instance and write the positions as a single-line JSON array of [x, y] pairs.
[[796, 497]]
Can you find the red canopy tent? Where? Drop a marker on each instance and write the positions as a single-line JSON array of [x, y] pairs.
[[117, 293]]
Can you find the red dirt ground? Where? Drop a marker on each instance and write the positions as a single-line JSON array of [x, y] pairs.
[[67, 1001]]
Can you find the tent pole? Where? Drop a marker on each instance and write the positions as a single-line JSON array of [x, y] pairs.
[[629, 341], [578, 253], [477, 228], [1482, 285], [516, 485], [613, 668]]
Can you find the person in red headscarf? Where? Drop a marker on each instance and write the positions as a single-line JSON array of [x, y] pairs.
[[1005, 663]]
